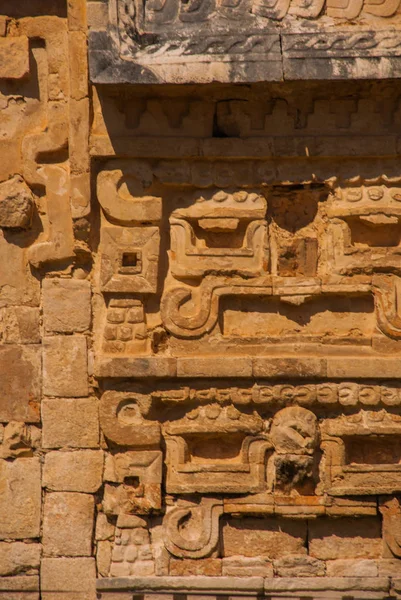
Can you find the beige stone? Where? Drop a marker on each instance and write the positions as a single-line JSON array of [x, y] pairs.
[[14, 57], [68, 578], [20, 325], [78, 68], [66, 305], [17, 440], [352, 568], [20, 498], [104, 529], [212, 367], [77, 471], [18, 285], [65, 371], [299, 566], [103, 557], [16, 201], [242, 566], [20, 383], [20, 587], [68, 524], [70, 422], [206, 566], [270, 538], [17, 557], [345, 538]]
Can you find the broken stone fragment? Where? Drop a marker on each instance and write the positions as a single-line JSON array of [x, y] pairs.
[[16, 203]]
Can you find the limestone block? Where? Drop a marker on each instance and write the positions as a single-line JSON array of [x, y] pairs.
[[18, 285], [389, 567], [20, 383], [206, 566], [20, 325], [270, 537], [17, 557], [20, 498], [242, 566], [14, 57], [66, 305], [352, 568], [79, 126], [104, 529], [103, 557], [20, 587], [68, 578], [78, 66], [77, 15], [16, 202], [70, 422], [17, 440], [299, 566], [78, 471], [65, 366], [68, 524], [345, 538], [214, 367]]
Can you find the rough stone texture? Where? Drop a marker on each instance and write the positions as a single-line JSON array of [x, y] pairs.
[[352, 568], [300, 566], [17, 557], [20, 498], [16, 203], [243, 566], [280, 41], [20, 325], [68, 524], [14, 57], [79, 471], [70, 422], [271, 538], [66, 305], [65, 366], [207, 280], [340, 539], [20, 383], [69, 578]]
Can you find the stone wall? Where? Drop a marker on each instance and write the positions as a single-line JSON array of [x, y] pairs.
[[200, 323]]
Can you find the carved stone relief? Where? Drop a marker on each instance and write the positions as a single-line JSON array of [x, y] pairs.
[[200, 42]]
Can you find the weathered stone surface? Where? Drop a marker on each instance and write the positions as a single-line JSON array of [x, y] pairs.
[[17, 557], [16, 201], [270, 538], [299, 566], [17, 440], [65, 371], [20, 383], [20, 498], [78, 471], [211, 567], [20, 587], [353, 568], [68, 524], [242, 566], [69, 578], [14, 57], [70, 422], [278, 48], [345, 539], [66, 305], [20, 325], [219, 267]]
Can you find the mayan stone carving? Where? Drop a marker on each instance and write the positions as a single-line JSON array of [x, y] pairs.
[[200, 300], [200, 41]]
